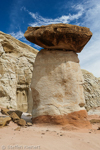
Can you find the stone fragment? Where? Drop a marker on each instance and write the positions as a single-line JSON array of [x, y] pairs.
[[14, 117], [21, 122], [4, 111], [18, 129], [4, 121], [18, 112], [59, 36], [69, 127], [29, 124]]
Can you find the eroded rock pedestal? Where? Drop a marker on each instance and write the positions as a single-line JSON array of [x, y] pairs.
[[57, 79]]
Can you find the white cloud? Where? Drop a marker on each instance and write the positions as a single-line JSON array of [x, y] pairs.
[[18, 35], [39, 20], [14, 15], [90, 56]]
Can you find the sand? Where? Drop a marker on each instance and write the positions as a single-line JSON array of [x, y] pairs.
[[48, 137]]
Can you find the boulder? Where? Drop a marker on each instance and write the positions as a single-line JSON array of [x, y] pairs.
[[19, 113], [21, 122], [16, 66], [59, 36], [14, 117], [29, 124], [17, 129], [4, 121], [4, 111]]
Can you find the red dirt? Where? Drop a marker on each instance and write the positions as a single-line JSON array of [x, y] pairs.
[[78, 119]]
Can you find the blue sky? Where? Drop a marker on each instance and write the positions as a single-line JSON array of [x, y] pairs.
[[17, 15]]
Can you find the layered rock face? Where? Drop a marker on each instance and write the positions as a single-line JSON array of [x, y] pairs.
[[57, 80], [91, 91], [16, 66]]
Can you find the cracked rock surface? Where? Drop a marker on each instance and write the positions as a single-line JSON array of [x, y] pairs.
[[91, 92], [16, 66]]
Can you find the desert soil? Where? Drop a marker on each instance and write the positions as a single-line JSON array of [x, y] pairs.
[[47, 137]]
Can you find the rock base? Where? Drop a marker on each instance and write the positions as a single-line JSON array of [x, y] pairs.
[[77, 119]]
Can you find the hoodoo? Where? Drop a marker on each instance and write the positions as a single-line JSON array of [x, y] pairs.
[[57, 80]]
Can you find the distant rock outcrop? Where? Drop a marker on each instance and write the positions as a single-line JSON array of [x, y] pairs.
[[57, 81], [16, 67], [91, 91]]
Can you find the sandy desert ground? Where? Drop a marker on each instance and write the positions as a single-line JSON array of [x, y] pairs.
[[47, 137]]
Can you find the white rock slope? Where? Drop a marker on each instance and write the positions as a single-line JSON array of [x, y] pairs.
[[91, 91], [16, 67]]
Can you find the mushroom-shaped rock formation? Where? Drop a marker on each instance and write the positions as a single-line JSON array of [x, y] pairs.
[[57, 88], [59, 36]]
